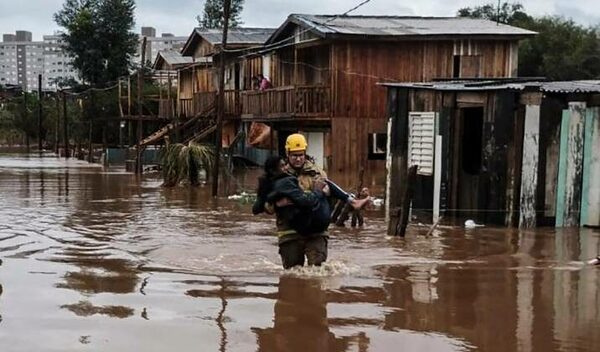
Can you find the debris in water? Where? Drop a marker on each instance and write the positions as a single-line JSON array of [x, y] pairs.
[[377, 202], [595, 261], [470, 224], [243, 197]]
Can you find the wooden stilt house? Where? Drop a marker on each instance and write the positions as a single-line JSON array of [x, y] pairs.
[[325, 69]]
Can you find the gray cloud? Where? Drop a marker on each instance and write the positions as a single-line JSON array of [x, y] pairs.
[[178, 16]]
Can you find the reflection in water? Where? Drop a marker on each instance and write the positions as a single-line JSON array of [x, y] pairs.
[[82, 248], [300, 319], [86, 309]]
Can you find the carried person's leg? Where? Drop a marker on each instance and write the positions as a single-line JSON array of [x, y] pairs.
[[338, 193]]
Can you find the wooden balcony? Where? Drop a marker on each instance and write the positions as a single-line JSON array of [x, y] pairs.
[[287, 102], [203, 100]]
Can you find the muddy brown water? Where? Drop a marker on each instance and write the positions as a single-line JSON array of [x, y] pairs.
[[100, 260]]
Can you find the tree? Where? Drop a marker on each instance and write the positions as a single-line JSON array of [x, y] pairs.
[[212, 17], [506, 13], [562, 49], [99, 38], [182, 162]]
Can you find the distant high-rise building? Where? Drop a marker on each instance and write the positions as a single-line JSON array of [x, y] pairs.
[[154, 44], [57, 64], [9, 38], [22, 60], [148, 32], [24, 36]]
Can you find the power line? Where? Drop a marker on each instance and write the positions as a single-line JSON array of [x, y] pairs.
[[273, 46]]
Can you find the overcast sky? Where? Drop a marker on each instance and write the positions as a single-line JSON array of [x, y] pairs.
[[178, 16]]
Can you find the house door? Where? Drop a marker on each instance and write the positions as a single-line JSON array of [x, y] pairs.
[[468, 162]]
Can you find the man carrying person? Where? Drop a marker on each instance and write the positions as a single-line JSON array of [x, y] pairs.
[[293, 247]]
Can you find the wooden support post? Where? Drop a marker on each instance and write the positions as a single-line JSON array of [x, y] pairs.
[[65, 125], [221, 100], [397, 157], [437, 179], [178, 112], [529, 173], [91, 127], [590, 202], [406, 199], [57, 126], [40, 115], [570, 172], [24, 117], [139, 162]]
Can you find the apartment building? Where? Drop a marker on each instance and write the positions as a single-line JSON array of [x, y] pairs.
[[57, 64], [154, 44], [22, 60]]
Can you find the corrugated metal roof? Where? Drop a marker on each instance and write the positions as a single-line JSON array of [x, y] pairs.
[[572, 87], [406, 26], [173, 57], [566, 87], [237, 35]]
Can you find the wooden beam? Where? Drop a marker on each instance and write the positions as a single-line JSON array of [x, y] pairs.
[[406, 198], [221, 100], [590, 202], [397, 153], [568, 198], [529, 171]]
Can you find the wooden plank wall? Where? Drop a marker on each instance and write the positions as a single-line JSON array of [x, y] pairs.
[[281, 70], [530, 165], [204, 49], [185, 84], [250, 68], [550, 121], [205, 79], [498, 129], [357, 67], [568, 199], [358, 102], [590, 203]]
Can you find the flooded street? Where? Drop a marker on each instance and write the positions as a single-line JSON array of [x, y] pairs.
[[96, 260]]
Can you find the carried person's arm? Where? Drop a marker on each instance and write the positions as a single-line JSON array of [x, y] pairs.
[[288, 188]]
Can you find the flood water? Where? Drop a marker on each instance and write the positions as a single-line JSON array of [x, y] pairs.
[[97, 260]]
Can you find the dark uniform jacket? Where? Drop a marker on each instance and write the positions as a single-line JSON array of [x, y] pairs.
[[309, 213]]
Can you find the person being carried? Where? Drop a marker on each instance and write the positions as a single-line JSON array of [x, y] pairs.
[[293, 246], [309, 210]]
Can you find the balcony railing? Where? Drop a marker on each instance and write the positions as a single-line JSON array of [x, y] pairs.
[[290, 101]]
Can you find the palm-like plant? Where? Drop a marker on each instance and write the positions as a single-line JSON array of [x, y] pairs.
[[182, 162]]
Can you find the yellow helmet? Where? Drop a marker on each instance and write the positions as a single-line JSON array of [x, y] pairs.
[[295, 143]]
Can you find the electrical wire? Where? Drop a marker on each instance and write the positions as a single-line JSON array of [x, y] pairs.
[[273, 46]]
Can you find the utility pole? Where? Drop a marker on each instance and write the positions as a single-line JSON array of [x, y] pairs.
[[220, 100], [57, 126], [140, 133], [25, 117], [65, 125], [91, 126], [40, 114]]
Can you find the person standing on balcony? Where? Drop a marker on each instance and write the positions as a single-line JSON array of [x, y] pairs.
[[265, 83]]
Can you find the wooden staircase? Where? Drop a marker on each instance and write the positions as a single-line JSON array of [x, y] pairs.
[[201, 125]]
